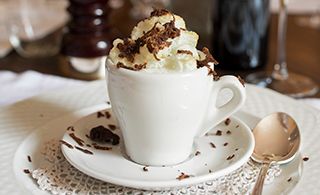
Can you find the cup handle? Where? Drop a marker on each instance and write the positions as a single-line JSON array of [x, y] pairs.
[[218, 114]]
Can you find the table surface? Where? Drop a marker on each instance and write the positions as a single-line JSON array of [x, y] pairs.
[[303, 51]]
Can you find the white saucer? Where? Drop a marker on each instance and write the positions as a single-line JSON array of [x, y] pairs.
[[112, 166]]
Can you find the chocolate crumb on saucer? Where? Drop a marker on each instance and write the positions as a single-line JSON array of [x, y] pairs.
[[197, 153], [100, 114], [212, 145], [227, 121], [104, 135], [228, 132], [76, 139], [98, 147], [241, 81], [108, 115], [225, 144], [236, 149], [182, 176], [219, 133], [108, 102], [230, 157], [289, 180], [70, 128], [112, 127], [145, 168], [26, 171], [66, 144], [305, 159], [29, 158], [84, 150], [237, 126]]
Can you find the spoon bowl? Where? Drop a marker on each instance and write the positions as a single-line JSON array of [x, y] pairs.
[[277, 140]]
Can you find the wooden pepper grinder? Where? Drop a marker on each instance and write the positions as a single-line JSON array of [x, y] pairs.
[[87, 40]]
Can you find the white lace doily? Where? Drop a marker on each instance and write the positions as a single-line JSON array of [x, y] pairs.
[[57, 176]]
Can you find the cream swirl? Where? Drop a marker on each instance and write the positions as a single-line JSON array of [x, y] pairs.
[[158, 44]]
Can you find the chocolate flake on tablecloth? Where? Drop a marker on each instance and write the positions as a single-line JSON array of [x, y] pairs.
[[182, 176]]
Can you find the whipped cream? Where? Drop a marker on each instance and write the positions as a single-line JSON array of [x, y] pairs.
[[160, 44]]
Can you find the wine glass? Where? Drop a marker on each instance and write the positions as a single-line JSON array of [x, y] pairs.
[[35, 27], [292, 84]]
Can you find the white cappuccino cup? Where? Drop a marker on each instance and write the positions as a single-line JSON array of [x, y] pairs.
[[160, 114]]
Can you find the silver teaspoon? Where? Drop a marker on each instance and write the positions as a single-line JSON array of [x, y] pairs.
[[277, 140]]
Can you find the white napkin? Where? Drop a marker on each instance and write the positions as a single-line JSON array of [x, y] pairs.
[[315, 102], [16, 87]]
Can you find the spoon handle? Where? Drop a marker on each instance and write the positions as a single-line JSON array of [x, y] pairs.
[[257, 190]]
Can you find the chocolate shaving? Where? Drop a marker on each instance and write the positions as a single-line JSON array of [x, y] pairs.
[[241, 81], [184, 52], [219, 133], [305, 159], [100, 114], [228, 132], [159, 12], [84, 150], [112, 127], [205, 63], [227, 121], [236, 149], [139, 66], [155, 39], [182, 176], [26, 171], [29, 158], [212, 145], [121, 65], [197, 153], [108, 102], [88, 145], [71, 128], [102, 147], [230, 157], [66, 144], [76, 139], [108, 115], [145, 168], [289, 179], [104, 135], [225, 144], [128, 49]]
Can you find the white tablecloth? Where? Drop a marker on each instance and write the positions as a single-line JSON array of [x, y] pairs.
[[16, 87]]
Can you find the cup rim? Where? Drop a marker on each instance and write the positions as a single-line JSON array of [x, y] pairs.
[[110, 66]]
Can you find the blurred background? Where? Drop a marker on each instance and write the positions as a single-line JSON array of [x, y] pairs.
[[52, 44]]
